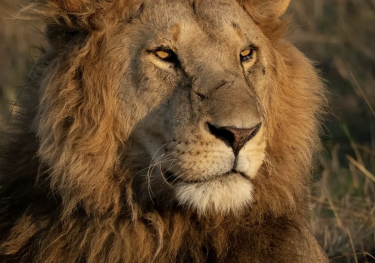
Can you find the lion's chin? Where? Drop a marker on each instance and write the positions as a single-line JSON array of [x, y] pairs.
[[230, 193]]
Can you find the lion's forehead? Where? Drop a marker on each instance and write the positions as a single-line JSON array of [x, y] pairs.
[[211, 17], [199, 30]]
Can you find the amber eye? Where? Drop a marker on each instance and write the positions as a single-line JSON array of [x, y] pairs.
[[248, 55], [163, 54], [166, 55]]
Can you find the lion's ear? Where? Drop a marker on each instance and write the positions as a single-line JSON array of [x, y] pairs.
[[68, 20], [65, 20], [269, 8], [277, 7], [267, 15]]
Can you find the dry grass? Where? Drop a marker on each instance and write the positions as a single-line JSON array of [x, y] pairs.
[[340, 36], [18, 47]]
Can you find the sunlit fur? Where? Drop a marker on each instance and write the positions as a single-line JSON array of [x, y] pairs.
[[74, 186]]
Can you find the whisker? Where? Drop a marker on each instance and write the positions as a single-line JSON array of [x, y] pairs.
[[150, 171], [177, 163], [148, 176], [179, 176]]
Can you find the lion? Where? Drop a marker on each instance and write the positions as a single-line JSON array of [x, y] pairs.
[[162, 131]]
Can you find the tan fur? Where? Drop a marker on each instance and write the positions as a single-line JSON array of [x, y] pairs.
[[85, 166]]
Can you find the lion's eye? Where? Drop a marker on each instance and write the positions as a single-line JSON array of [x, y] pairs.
[[248, 55], [163, 54], [166, 55]]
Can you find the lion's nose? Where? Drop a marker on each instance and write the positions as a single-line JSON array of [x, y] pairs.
[[234, 137]]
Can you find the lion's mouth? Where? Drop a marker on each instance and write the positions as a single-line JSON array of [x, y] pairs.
[[172, 179]]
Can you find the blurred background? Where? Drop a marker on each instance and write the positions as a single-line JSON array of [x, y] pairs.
[[339, 36]]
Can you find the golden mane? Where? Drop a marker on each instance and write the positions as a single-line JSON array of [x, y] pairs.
[[65, 193]]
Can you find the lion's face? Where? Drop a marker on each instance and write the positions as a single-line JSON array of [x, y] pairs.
[[196, 103], [200, 131]]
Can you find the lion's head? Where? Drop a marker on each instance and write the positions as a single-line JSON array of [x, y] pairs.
[[197, 106]]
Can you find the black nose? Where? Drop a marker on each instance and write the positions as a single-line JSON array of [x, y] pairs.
[[234, 137]]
